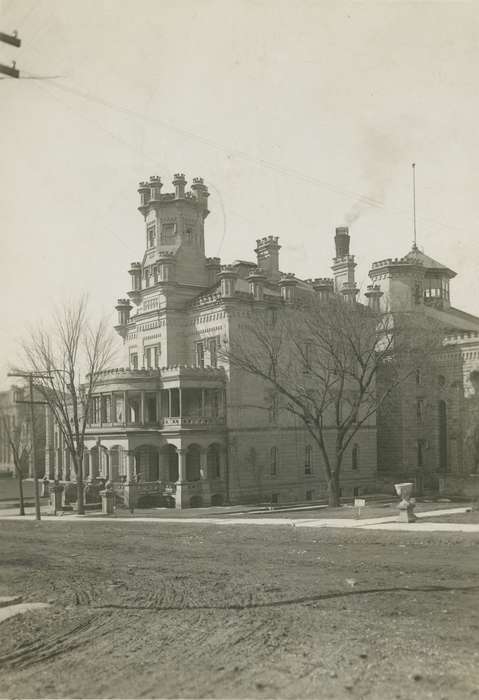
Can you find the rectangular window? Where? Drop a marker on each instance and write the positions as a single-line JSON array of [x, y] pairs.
[[420, 453], [200, 355], [212, 347], [273, 410], [309, 495], [151, 235], [355, 457], [274, 461], [106, 409], [156, 359], [168, 233], [420, 410], [307, 354], [134, 360], [275, 498], [307, 459]]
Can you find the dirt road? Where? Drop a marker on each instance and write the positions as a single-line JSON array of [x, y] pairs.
[[159, 610]]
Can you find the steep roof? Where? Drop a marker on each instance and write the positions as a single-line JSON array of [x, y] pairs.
[[416, 255]]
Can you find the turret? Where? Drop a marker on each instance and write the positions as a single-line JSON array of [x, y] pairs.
[[124, 308], [256, 280], [166, 267], [135, 272], [213, 265], [373, 295], [200, 192], [179, 183], [227, 277], [155, 188], [287, 286], [324, 287]]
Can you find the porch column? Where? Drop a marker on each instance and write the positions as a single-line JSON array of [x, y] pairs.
[[130, 466], [113, 472], [180, 402], [142, 408], [203, 403], [203, 464], [159, 414], [125, 407], [181, 466], [169, 403]]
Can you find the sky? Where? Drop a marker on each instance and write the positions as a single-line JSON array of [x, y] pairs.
[[300, 116]]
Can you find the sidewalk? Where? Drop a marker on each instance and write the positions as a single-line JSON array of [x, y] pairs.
[[389, 522]]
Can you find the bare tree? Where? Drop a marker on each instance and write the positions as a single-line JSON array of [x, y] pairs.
[[18, 437], [321, 362], [59, 356]]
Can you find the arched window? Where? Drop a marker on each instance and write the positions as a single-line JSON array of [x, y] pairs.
[[307, 459], [213, 461], [193, 463], [274, 461], [355, 456]]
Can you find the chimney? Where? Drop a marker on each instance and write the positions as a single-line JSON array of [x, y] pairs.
[[373, 296], [267, 251], [213, 265], [341, 241]]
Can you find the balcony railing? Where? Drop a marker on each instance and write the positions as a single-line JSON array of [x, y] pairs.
[[165, 421]]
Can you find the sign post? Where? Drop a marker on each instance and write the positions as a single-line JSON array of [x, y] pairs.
[[359, 503]]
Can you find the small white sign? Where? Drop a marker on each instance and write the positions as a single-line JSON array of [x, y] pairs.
[[359, 502]]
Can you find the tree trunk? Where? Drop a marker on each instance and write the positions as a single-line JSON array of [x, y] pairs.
[[333, 490], [80, 489], [20, 491]]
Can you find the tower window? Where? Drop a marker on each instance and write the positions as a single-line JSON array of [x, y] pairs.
[[134, 360], [168, 233], [151, 235]]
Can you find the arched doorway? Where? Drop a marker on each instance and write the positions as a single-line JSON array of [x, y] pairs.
[[213, 461], [193, 463], [172, 462], [147, 463]]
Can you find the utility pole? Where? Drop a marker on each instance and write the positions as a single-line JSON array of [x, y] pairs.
[[32, 402], [13, 40]]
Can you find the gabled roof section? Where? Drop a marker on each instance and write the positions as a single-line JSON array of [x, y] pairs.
[[418, 256]]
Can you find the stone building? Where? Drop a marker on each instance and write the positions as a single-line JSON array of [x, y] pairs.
[[176, 415], [424, 430], [15, 422], [196, 430]]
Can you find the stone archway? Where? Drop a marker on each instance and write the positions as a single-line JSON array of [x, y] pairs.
[[213, 461], [147, 463], [171, 459], [193, 472]]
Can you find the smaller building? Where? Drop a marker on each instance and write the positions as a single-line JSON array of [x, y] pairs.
[[15, 422]]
